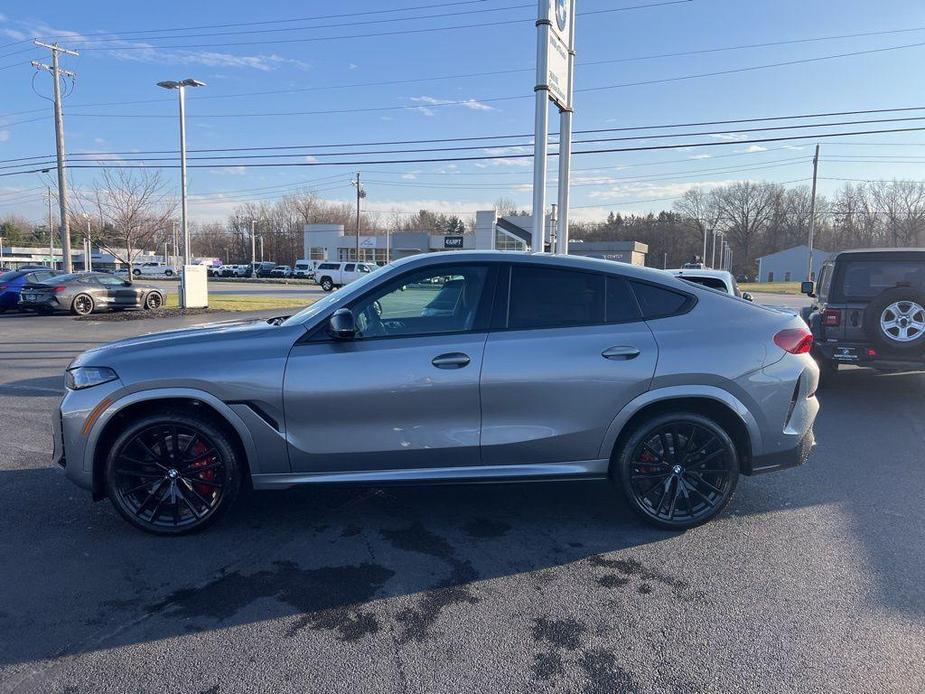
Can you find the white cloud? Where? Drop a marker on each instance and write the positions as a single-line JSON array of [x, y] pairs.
[[410, 176], [471, 104], [4, 135], [700, 156], [476, 105], [794, 147], [729, 137], [310, 159], [13, 34], [352, 66], [645, 191], [230, 171], [751, 149]]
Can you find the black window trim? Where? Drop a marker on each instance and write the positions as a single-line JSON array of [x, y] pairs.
[[498, 325]]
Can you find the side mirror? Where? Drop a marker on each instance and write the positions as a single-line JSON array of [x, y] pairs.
[[747, 296], [342, 325], [808, 288]]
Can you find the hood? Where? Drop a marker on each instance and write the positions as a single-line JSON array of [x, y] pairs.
[[207, 332]]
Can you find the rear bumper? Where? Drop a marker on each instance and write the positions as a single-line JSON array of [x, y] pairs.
[[865, 354], [781, 460], [49, 303]]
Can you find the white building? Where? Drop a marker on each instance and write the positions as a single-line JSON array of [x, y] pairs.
[[790, 264], [511, 233]]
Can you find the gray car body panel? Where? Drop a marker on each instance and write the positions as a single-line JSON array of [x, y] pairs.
[[531, 404]]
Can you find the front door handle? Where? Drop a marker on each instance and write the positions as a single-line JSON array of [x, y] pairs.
[[620, 352], [453, 360]]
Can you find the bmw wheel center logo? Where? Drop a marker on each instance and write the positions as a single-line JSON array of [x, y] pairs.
[[562, 13]]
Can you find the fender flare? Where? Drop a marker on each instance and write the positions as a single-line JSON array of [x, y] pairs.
[[229, 415], [674, 393]]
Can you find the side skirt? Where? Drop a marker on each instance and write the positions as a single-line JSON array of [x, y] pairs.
[[585, 469]]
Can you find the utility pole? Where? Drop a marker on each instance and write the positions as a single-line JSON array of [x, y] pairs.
[[361, 193], [254, 246], [57, 72], [88, 261], [812, 216], [51, 233], [261, 248], [1, 251]]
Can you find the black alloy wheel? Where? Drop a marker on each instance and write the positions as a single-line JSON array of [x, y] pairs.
[[153, 301], [678, 470], [172, 473], [82, 305]]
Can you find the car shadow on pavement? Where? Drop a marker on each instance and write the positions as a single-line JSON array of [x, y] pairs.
[[313, 557], [78, 579], [34, 387]]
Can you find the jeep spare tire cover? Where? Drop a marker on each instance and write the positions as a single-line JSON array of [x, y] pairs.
[[895, 319]]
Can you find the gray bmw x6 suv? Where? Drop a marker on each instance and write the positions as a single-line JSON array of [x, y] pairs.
[[462, 367]]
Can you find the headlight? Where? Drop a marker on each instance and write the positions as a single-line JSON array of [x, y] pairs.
[[88, 376]]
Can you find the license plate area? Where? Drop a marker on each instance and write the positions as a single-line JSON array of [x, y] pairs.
[[847, 354]]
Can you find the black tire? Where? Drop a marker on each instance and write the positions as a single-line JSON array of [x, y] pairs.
[[907, 338], [647, 470], [153, 301], [828, 370], [82, 305], [168, 273], [136, 272], [156, 492], [327, 284]]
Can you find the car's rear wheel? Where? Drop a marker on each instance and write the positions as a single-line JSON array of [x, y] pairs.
[[82, 305], [172, 473], [153, 301], [168, 273], [678, 470], [327, 284]]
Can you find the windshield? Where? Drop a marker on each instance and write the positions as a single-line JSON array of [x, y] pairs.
[[331, 299]]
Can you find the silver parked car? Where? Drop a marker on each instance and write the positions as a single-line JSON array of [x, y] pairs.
[[462, 367]]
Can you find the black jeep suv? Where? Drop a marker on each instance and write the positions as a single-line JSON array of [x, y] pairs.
[[869, 309]]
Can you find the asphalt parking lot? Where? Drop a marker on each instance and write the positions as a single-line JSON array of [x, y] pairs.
[[813, 581]]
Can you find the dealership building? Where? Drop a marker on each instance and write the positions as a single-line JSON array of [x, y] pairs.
[[492, 232]]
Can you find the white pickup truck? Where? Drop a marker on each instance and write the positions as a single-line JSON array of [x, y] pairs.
[[332, 275]]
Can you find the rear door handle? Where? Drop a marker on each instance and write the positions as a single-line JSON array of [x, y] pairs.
[[452, 360], [620, 352]]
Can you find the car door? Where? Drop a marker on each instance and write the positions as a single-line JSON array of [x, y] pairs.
[[569, 352], [119, 293], [405, 392]]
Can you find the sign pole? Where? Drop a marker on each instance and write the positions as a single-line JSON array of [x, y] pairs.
[[541, 128], [565, 145]]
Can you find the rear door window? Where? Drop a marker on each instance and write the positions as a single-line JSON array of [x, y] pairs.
[[552, 298], [621, 304]]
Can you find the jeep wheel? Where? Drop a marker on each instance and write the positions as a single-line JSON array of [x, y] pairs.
[[677, 470], [895, 320]]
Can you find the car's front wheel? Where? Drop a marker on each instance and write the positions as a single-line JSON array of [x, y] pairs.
[[677, 470], [153, 301], [172, 473]]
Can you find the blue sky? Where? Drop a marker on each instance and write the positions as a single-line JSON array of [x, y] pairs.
[[316, 75]]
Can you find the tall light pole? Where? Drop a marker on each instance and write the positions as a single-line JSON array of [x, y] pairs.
[[181, 93], [254, 246], [361, 193], [88, 261]]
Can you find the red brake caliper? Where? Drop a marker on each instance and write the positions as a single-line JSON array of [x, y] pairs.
[[647, 457], [200, 450]]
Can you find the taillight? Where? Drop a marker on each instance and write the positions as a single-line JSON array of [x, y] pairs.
[[58, 290], [831, 318], [794, 340]]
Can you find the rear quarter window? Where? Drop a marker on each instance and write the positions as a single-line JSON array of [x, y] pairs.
[[657, 301]]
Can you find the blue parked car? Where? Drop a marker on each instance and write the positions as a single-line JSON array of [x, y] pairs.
[[11, 283]]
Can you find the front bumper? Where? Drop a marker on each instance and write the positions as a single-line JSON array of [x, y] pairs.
[[72, 425]]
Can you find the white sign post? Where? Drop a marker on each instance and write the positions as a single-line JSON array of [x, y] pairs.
[[555, 69]]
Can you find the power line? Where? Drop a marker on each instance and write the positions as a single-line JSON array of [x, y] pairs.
[[378, 34], [490, 157]]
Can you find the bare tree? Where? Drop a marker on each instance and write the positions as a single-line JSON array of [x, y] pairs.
[[744, 210], [134, 210], [700, 213]]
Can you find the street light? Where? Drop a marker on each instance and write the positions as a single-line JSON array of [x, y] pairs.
[[181, 92]]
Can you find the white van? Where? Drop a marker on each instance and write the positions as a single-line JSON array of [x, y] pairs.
[[305, 268]]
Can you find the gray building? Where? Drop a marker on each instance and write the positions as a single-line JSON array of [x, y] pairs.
[[510, 233], [790, 264], [14, 257]]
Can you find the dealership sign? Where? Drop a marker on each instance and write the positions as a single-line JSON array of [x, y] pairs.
[[452, 241], [558, 69]]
